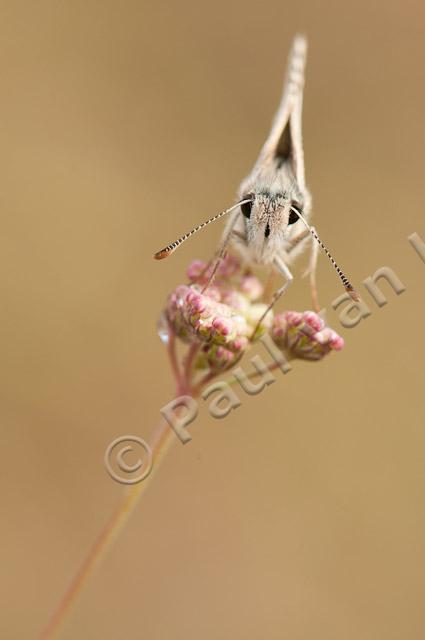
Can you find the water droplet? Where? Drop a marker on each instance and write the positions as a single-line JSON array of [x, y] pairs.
[[163, 329]]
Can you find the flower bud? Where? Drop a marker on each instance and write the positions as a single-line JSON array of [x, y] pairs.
[[304, 335]]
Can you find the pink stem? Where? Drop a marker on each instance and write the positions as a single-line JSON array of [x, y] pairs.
[[191, 354]]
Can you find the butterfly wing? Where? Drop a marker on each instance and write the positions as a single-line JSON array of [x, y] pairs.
[[284, 143]]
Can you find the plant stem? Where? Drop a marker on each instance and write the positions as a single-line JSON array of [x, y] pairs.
[[161, 439], [190, 357]]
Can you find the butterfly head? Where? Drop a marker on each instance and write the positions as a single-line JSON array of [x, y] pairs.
[[269, 216]]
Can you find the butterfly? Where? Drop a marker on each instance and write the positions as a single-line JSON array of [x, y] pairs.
[[269, 224]]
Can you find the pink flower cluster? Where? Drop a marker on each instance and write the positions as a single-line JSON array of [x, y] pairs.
[[221, 318], [304, 335]]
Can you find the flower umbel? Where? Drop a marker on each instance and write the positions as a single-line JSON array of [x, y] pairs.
[[304, 335], [219, 320]]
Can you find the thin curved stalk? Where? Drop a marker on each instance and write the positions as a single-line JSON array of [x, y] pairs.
[[161, 440]]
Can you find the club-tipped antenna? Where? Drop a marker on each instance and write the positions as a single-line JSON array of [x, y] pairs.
[[345, 281], [168, 250]]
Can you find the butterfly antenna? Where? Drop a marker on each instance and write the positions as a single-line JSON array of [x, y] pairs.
[[345, 281], [164, 253]]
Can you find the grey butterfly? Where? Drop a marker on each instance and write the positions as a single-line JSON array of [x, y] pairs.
[[269, 224]]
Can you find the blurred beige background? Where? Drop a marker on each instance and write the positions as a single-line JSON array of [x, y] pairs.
[[123, 124]]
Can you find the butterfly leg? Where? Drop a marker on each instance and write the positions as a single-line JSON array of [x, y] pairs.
[[311, 272], [311, 269], [270, 284], [285, 272], [221, 251]]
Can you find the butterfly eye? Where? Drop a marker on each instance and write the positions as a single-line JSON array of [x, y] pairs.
[[293, 215], [246, 208]]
